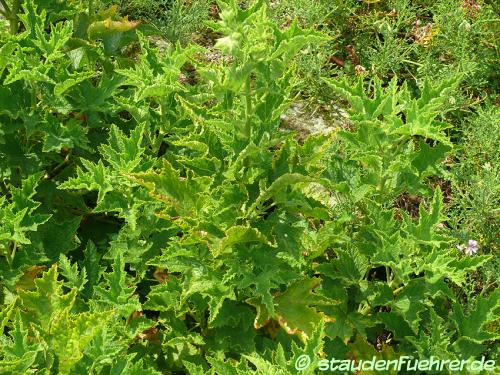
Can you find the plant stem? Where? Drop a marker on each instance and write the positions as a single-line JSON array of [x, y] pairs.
[[411, 62], [60, 166], [13, 19], [381, 185], [6, 9], [397, 290], [14, 249], [4, 189], [10, 255], [248, 111]]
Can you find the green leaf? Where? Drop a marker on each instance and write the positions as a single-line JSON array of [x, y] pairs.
[[60, 33], [19, 354], [122, 152], [48, 300], [384, 101], [20, 217], [474, 324], [296, 309], [241, 235], [69, 135], [72, 80], [349, 266], [116, 292], [436, 341], [183, 194], [75, 279], [425, 231], [6, 52], [94, 178], [280, 184], [438, 265], [56, 326]]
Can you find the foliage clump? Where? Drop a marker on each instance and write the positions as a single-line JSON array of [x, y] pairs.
[[157, 217]]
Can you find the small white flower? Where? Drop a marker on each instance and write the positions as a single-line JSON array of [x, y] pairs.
[[471, 247]]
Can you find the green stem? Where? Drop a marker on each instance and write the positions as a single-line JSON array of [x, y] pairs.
[[10, 255], [397, 290], [14, 249], [13, 18], [412, 62], [60, 166], [389, 275], [384, 177], [4, 189], [381, 186], [248, 111], [6, 9]]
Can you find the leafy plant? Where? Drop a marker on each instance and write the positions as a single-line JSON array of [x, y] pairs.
[[475, 178], [176, 20], [155, 216]]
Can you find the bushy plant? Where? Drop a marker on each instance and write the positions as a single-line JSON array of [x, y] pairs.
[[151, 223], [475, 179], [175, 20]]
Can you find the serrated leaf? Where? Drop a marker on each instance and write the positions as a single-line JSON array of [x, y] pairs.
[[122, 152], [73, 80], [241, 235], [76, 279], [473, 325], [296, 309], [425, 231], [439, 265], [116, 292], [182, 193], [94, 178], [349, 266]]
